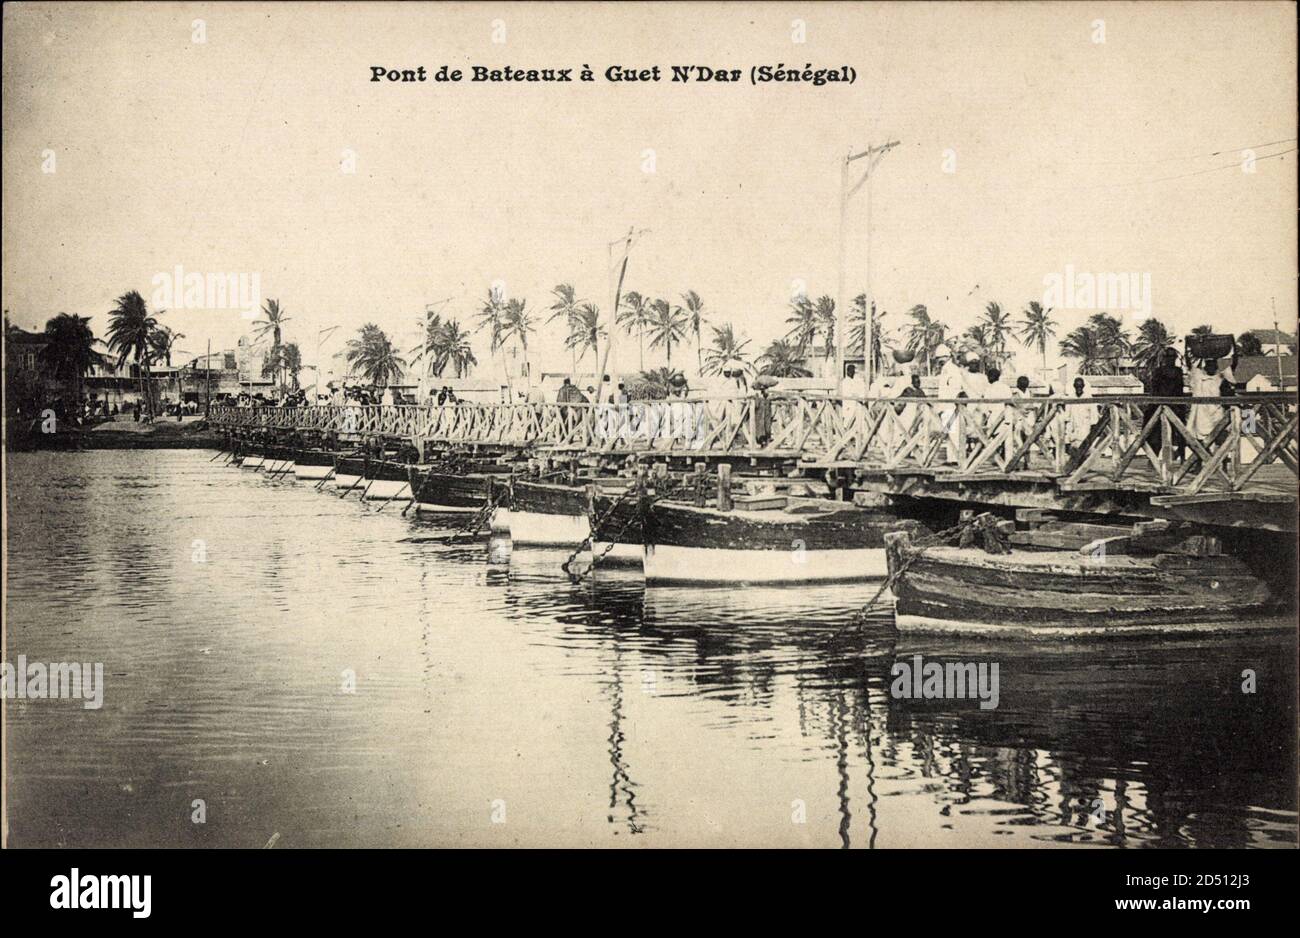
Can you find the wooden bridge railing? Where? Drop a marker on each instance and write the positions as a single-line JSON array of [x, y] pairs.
[[1171, 445]]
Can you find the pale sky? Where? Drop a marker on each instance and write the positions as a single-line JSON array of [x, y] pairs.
[[225, 156]]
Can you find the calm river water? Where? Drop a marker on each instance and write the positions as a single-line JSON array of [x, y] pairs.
[[495, 703]]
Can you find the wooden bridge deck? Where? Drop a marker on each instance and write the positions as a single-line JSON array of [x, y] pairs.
[[1227, 460]]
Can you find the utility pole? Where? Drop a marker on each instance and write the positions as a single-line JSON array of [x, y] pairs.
[[320, 337], [207, 381], [1277, 347], [873, 155], [616, 287]]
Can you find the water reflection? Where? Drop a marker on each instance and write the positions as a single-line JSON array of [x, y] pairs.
[[594, 713]]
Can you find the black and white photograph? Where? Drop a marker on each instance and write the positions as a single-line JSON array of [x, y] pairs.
[[649, 425]]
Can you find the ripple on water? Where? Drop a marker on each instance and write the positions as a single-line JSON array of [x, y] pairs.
[[346, 677]]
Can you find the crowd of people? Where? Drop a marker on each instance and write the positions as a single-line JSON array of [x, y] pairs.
[[958, 428], [955, 381]]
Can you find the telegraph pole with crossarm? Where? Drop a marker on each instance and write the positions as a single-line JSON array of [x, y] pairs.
[[873, 155]]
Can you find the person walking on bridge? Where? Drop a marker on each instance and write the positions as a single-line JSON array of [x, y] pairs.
[[952, 384], [570, 393], [1167, 381]]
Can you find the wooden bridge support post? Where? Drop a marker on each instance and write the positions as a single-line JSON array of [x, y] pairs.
[[724, 487]]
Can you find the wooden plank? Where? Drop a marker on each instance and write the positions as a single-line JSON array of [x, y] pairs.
[[1207, 498]]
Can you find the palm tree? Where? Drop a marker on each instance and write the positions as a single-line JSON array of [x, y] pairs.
[[726, 348], [858, 333], [695, 318], [975, 344], [429, 351], [655, 384], [925, 334], [1037, 327], [1248, 344], [783, 360], [130, 326], [1203, 330], [1149, 349], [492, 316], [585, 332], [70, 349], [634, 313], [825, 313], [803, 322], [996, 328], [161, 341], [1112, 338], [373, 356], [566, 304], [291, 362], [456, 350], [667, 325], [444, 343], [516, 323], [271, 326], [1085, 344]]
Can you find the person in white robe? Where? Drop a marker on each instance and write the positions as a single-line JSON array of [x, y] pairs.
[[1205, 380], [1079, 419], [883, 387], [952, 384]]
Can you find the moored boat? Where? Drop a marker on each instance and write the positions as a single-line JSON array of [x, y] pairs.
[[544, 514], [278, 460], [779, 539], [313, 464], [447, 490], [349, 473], [1136, 586], [385, 480]]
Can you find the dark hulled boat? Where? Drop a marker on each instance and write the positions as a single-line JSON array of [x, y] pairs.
[[545, 514], [349, 472], [381, 479], [458, 488], [313, 464], [778, 540], [1172, 588]]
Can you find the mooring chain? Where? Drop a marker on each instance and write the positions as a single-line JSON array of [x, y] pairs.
[[934, 540], [595, 524], [472, 528], [613, 541]]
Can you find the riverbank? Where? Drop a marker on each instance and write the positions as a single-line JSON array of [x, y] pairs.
[[164, 433]]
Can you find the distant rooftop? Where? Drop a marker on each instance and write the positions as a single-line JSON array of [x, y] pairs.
[[1248, 366], [1272, 337]]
